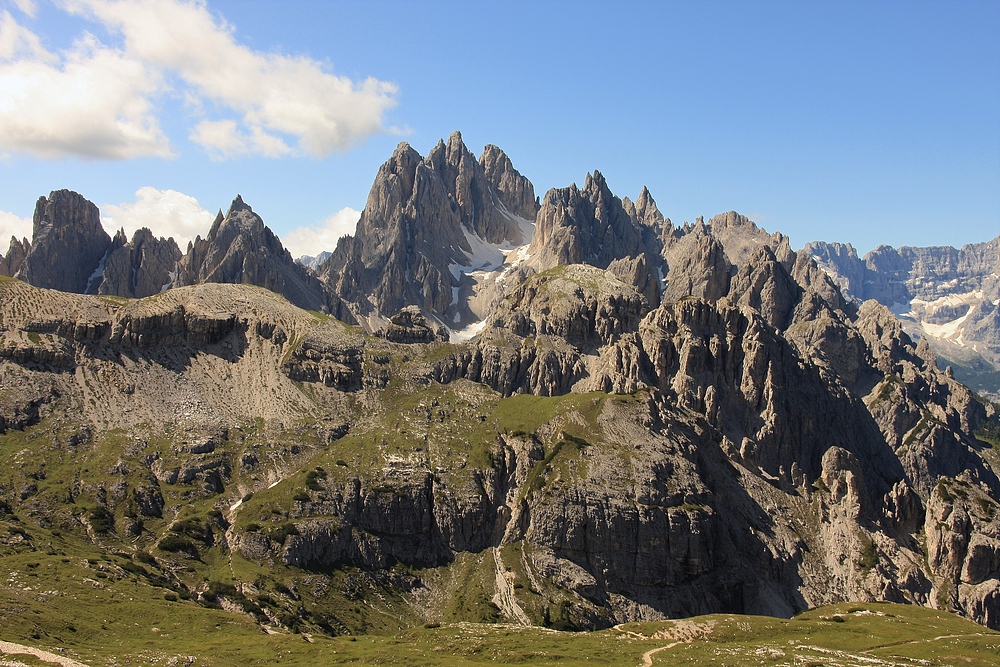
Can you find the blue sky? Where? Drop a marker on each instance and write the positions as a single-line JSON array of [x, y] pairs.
[[867, 122]]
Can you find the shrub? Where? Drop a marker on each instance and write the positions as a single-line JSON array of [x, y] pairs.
[[145, 557], [101, 520], [192, 527], [176, 543], [280, 533], [313, 478], [217, 588]]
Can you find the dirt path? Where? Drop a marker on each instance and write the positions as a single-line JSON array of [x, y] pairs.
[[504, 597], [647, 657], [10, 648]]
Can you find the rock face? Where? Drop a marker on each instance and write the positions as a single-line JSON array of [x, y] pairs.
[[427, 222], [145, 266], [239, 248], [697, 266], [68, 244], [947, 295], [593, 226], [11, 262]]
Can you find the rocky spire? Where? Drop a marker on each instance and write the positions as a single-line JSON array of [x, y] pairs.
[[591, 226], [11, 262], [240, 248], [422, 218], [143, 267], [514, 190], [68, 243]]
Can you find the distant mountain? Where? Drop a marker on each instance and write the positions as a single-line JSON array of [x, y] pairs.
[[311, 262], [948, 296], [70, 251]]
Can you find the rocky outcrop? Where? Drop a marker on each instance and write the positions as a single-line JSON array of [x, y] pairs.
[[410, 326], [426, 222], [697, 266], [592, 226], [68, 244], [580, 304], [144, 266], [11, 262], [742, 238], [239, 248]]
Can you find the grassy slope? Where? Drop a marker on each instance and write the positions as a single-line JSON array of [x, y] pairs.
[[77, 598]]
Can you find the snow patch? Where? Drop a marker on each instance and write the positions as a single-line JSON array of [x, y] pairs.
[[485, 256], [949, 330], [97, 274], [467, 333], [172, 277]]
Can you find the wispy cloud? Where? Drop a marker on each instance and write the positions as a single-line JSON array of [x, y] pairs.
[[29, 7], [323, 236], [104, 101], [166, 213]]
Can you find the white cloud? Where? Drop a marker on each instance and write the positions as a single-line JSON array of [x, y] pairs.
[[29, 7], [267, 99], [17, 40], [92, 102], [223, 138], [166, 213], [12, 225], [323, 236]]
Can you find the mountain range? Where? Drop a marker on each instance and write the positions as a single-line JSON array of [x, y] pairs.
[[564, 411]]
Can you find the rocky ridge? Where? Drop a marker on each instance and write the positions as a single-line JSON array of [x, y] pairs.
[[652, 421], [429, 222], [947, 295], [240, 248]]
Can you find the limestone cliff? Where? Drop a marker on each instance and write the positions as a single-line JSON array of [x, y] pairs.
[[68, 244]]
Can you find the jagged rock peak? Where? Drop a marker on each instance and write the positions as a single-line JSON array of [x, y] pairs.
[[68, 243], [144, 266], [646, 211], [239, 205], [16, 252], [240, 248], [765, 285], [516, 191], [421, 222], [697, 267], [741, 238]]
